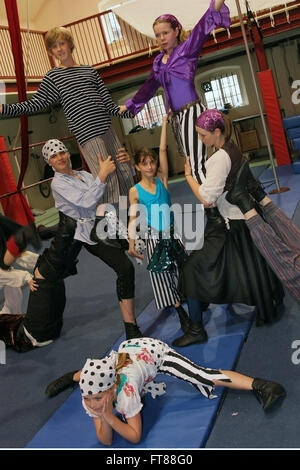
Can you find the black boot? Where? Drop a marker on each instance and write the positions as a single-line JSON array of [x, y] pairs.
[[267, 392], [183, 318], [195, 334], [61, 384], [132, 331], [27, 235], [239, 195]]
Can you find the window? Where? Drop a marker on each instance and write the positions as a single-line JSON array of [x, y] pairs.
[[221, 90], [111, 27], [152, 113]]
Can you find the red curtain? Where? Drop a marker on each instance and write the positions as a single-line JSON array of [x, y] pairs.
[[14, 206], [16, 44]]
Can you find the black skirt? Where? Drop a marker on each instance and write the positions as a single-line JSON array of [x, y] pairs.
[[230, 269]]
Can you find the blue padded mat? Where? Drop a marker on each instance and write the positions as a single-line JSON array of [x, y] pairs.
[[181, 406]]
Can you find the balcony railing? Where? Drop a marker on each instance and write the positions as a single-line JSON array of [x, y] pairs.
[[99, 40], [105, 39]]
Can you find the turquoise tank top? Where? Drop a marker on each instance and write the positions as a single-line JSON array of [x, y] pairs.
[[156, 206]]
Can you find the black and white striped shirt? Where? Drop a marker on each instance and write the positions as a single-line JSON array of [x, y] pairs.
[[85, 100]]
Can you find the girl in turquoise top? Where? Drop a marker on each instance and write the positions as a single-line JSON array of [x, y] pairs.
[[165, 253]]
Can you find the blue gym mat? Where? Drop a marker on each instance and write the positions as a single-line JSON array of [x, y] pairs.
[[182, 407]]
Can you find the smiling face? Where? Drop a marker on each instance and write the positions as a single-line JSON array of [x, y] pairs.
[[166, 36], [61, 162], [62, 50], [209, 139], [147, 166], [96, 402]]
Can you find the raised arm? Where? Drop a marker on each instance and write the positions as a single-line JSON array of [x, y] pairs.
[[194, 185], [217, 15], [218, 5], [163, 172], [79, 195]]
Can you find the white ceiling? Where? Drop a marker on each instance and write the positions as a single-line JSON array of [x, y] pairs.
[[141, 13]]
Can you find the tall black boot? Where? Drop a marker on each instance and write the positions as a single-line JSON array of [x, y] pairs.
[[268, 392], [132, 331], [183, 318], [195, 334]]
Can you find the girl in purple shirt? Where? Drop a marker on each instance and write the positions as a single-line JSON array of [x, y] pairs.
[[174, 69]]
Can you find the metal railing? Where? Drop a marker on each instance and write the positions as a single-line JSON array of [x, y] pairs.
[[105, 39], [100, 40], [36, 59]]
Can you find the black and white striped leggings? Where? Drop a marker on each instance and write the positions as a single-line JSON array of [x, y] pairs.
[[184, 122], [164, 284], [176, 365]]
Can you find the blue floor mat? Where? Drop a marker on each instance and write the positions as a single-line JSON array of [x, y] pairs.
[[182, 405]]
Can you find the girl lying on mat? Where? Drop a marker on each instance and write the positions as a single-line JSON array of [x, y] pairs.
[[119, 380]]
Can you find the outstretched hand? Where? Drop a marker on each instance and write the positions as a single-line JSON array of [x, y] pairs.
[[122, 109]]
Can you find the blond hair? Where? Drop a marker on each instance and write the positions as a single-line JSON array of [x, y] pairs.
[[123, 358], [57, 33]]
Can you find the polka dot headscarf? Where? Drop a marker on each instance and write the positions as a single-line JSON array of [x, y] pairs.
[[98, 375], [53, 147]]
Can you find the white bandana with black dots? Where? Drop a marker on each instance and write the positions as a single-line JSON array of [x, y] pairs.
[[98, 375], [52, 147]]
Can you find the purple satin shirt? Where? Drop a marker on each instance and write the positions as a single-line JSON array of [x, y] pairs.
[[179, 72]]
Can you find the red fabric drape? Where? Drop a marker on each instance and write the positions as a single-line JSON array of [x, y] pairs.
[[15, 206], [16, 44]]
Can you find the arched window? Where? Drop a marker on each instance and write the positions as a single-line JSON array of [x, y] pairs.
[[150, 116], [223, 86]]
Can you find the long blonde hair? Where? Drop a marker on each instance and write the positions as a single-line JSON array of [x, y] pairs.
[[123, 358]]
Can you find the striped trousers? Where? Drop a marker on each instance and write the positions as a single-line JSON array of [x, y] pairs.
[[176, 365], [189, 145], [164, 285], [278, 240], [119, 182]]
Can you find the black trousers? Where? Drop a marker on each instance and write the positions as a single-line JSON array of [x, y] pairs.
[[116, 259]]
